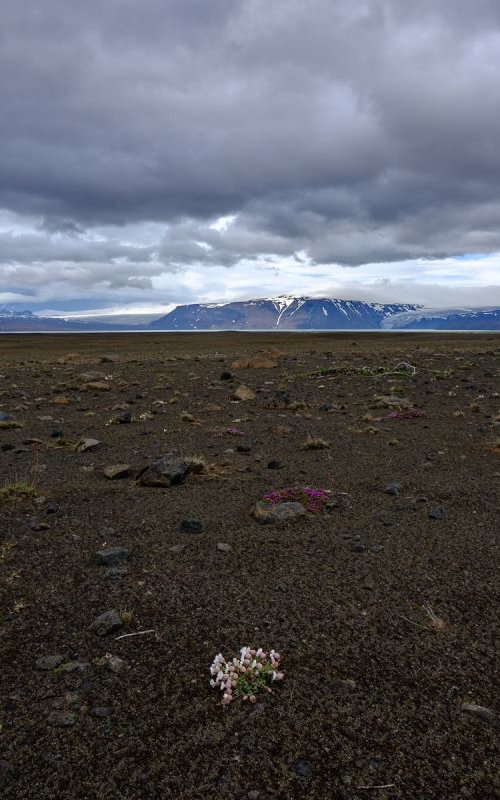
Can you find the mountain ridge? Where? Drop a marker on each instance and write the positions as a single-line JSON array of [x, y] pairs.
[[282, 313]]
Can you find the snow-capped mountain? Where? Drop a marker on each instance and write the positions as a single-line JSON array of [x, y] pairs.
[[445, 319], [284, 313]]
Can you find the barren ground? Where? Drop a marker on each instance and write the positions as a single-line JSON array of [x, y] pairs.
[[375, 686]]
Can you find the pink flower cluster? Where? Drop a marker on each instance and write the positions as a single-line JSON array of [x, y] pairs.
[[244, 677], [313, 500], [235, 432], [411, 413]]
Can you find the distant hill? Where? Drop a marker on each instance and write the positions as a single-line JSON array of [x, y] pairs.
[[283, 313], [446, 319], [26, 322]]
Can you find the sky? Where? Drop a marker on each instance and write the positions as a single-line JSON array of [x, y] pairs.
[[163, 152]]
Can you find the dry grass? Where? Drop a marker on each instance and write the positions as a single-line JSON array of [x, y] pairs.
[[18, 489], [197, 465], [5, 424], [314, 443]]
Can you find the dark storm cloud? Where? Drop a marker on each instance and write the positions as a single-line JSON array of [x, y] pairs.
[[352, 131]]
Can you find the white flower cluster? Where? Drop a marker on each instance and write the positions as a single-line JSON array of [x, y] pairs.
[[244, 677]]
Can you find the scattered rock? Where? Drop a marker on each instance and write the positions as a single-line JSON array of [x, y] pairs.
[[275, 464], [66, 701], [243, 393], [344, 683], [106, 623], [358, 548], [47, 663], [191, 526], [87, 444], [109, 358], [36, 525], [226, 376], [480, 712], [101, 712], [393, 488], [438, 512], [124, 418], [116, 573], [96, 386], [281, 512], [304, 769], [222, 547], [62, 719], [253, 794], [116, 471], [75, 666], [112, 556], [115, 664], [169, 470], [177, 548]]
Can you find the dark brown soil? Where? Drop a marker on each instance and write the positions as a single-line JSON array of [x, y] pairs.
[[374, 688]]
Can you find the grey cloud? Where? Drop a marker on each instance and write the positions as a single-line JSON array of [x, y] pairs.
[[355, 132]]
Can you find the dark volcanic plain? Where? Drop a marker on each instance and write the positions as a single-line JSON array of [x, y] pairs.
[[380, 697]]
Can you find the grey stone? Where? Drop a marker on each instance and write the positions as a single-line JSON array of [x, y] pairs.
[[344, 683], [480, 712], [47, 663], [177, 548], [169, 470], [75, 666], [87, 444], [222, 547], [111, 556], [101, 712], [62, 719], [37, 525], [393, 488], [191, 526], [304, 768], [116, 471], [116, 573], [268, 514], [106, 623], [124, 418], [438, 512], [115, 664]]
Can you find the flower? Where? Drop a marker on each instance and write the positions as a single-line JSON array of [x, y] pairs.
[[246, 676]]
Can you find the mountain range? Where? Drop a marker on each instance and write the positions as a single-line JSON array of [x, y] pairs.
[[282, 313]]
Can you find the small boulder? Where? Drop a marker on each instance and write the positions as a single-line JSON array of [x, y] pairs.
[[438, 512], [481, 713], [62, 719], [87, 444], [106, 623], [243, 393], [97, 386], [47, 663], [111, 556], [116, 471], [268, 514], [222, 547], [191, 526], [169, 470], [393, 488]]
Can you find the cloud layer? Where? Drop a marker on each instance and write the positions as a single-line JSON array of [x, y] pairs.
[[327, 132]]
